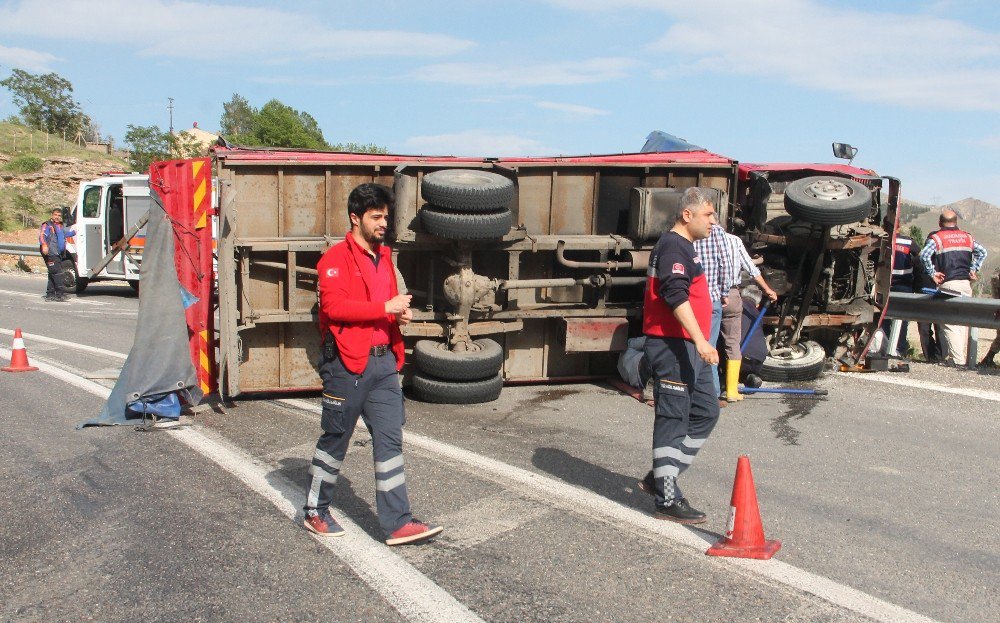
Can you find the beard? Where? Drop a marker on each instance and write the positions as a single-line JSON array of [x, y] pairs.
[[373, 236]]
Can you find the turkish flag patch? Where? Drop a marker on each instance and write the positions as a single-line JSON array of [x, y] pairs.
[[678, 269], [332, 272]]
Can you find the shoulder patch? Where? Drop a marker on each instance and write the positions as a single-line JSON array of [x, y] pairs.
[[677, 269], [332, 272]]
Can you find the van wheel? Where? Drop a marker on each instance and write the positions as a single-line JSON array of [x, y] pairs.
[[799, 362], [482, 362], [456, 226], [429, 389], [828, 200], [467, 190], [70, 277]]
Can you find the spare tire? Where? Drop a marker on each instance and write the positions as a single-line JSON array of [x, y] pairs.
[[799, 362], [69, 276], [438, 391], [467, 190], [483, 361], [456, 226], [828, 200]]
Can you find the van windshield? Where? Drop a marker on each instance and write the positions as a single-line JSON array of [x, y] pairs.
[[91, 201]]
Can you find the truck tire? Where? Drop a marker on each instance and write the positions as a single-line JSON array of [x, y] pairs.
[[826, 200], [803, 362], [467, 190], [429, 389], [436, 360], [456, 226]]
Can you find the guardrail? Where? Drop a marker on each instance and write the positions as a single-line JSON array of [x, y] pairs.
[[18, 249], [958, 310]]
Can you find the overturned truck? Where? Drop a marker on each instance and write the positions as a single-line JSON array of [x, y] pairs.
[[521, 269]]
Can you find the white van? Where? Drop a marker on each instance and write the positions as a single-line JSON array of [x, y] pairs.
[[106, 209]]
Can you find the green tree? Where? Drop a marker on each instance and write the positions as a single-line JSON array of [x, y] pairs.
[[279, 125], [46, 103], [237, 118], [358, 148], [146, 144], [918, 236], [184, 145]]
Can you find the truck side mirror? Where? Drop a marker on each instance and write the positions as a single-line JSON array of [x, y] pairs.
[[845, 151]]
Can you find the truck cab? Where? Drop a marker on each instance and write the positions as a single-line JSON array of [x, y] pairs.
[[106, 209]]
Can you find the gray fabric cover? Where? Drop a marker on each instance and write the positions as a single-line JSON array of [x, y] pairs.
[[160, 361]]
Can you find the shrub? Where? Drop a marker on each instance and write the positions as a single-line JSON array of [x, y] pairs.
[[24, 164]]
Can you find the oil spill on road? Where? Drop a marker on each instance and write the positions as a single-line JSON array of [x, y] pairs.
[[798, 407]]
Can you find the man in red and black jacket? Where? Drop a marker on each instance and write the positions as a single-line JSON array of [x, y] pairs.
[[360, 311], [677, 315]]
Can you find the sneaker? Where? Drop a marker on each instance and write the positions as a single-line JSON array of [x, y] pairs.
[[323, 524], [414, 532], [647, 484], [681, 512]]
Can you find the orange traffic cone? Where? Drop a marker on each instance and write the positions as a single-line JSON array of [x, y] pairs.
[[19, 356], [744, 532]]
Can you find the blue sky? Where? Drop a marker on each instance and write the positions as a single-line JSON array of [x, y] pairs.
[[914, 85]]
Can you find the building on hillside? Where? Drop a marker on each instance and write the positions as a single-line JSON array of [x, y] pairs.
[[202, 138]]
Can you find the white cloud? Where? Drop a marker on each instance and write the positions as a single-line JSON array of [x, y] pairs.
[[477, 143], [203, 30], [908, 59], [572, 110], [991, 142], [588, 71], [28, 60]]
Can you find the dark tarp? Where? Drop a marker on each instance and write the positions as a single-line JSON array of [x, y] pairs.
[[160, 359], [659, 141]]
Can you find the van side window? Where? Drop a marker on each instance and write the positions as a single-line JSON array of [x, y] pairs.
[[91, 201]]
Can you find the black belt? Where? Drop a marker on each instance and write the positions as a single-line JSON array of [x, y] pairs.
[[378, 351]]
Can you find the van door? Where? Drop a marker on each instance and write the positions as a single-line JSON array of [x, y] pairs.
[[137, 203], [89, 229], [114, 228]]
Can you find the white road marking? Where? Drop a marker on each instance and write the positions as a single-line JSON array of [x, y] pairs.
[[415, 596], [971, 393], [81, 347], [35, 295], [576, 497]]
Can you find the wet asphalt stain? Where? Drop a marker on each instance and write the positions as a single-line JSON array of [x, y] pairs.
[[798, 407]]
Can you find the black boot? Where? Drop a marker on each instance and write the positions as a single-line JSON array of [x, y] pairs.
[[681, 512]]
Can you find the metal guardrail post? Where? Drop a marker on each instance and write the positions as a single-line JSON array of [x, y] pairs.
[[972, 349]]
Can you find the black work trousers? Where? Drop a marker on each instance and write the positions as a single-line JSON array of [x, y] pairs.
[[55, 287], [686, 409], [376, 396]]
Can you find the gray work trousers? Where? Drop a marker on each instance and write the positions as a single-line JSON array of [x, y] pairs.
[[376, 396], [686, 409]]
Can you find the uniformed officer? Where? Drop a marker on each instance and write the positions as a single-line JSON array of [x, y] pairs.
[[953, 258], [360, 310], [905, 257], [677, 315], [52, 244]]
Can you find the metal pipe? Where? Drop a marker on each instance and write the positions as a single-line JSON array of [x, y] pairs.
[[280, 266], [609, 265], [782, 390], [755, 325], [596, 281]]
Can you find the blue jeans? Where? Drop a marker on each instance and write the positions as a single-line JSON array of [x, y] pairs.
[[713, 339]]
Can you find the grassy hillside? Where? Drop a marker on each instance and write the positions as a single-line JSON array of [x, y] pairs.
[[36, 176]]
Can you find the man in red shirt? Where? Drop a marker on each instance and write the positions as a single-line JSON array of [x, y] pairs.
[[360, 311], [677, 315]]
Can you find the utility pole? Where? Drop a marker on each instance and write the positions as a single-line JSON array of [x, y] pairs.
[[170, 107]]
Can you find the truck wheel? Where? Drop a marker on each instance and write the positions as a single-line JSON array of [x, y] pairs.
[[434, 390], [434, 358], [456, 226], [467, 190], [828, 200], [800, 362]]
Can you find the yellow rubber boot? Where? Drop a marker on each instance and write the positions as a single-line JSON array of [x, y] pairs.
[[732, 380]]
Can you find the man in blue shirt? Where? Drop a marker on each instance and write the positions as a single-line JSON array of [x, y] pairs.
[[52, 244]]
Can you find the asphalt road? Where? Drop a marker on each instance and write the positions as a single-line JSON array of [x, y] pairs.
[[884, 496]]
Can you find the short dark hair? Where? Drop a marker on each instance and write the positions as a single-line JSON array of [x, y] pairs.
[[369, 197]]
